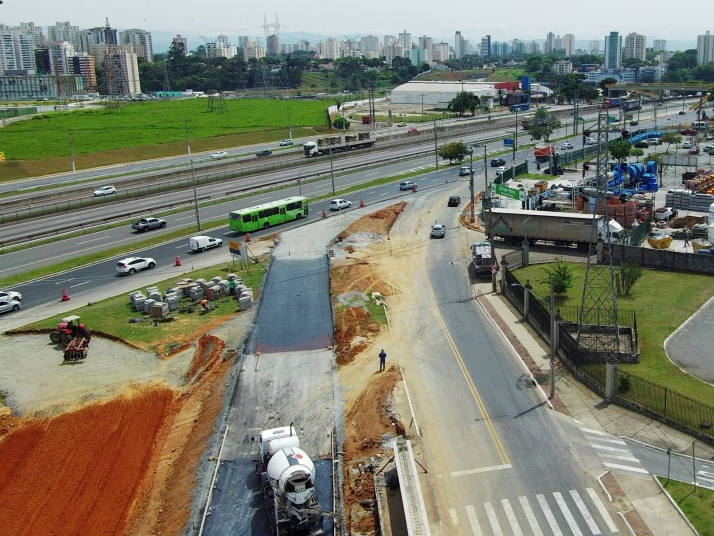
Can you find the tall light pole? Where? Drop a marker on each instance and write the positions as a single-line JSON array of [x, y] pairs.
[[195, 197], [422, 107], [436, 147], [332, 171], [472, 218], [290, 125], [515, 138]]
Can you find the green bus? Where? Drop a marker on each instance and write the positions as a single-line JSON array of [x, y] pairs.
[[268, 214]]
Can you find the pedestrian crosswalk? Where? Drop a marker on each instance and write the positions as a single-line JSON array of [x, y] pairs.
[[614, 453], [576, 512]]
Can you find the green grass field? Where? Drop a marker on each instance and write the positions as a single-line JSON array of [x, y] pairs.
[[111, 316], [696, 503], [658, 315]]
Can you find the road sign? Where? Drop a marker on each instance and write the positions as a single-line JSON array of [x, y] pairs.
[[234, 247], [508, 142]]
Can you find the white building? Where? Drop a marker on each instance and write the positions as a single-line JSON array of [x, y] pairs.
[[64, 31], [563, 67], [569, 45], [140, 40], [635, 46], [16, 50], [705, 49]]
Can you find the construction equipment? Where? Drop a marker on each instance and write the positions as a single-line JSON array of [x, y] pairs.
[[76, 349], [287, 479], [69, 329]]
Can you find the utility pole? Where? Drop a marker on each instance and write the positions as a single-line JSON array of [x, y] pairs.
[[188, 145], [436, 147], [472, 218], [71, 150], [332, 172], [195, 196]]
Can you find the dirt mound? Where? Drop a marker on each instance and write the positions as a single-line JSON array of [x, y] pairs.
[[379, 222], [78, 473], [208, 351], [686, 222], [365, 425]]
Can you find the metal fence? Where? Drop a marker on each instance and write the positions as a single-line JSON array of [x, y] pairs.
[[632, 391]]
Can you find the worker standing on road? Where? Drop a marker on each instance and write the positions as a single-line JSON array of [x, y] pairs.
[[382, 360], [686, 237]]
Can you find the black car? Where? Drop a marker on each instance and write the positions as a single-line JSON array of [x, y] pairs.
[[454, 201], [498, 162], [641, 145], [264, 152]]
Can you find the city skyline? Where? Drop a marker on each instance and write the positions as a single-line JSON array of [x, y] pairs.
[[373, 18]]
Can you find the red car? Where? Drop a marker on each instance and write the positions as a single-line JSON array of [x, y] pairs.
[[694, 150], [688, 132]]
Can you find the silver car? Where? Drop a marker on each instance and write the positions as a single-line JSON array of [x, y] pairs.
[[10, 295], [438, 230], [9, 305]]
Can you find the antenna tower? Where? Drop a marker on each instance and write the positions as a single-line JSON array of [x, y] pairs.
[[215, 97], [598, 329]]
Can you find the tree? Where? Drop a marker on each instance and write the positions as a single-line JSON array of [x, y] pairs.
[[562, 278], [453, 151], [340, 123], [671, 138], [636, 153], [462, 102], [628, 274], [619, 149], [543, 125]]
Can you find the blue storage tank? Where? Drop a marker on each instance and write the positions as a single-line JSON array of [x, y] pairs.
[[525, 82]]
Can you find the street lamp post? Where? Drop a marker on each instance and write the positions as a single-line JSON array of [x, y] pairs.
[[71, 150], [185, 128], [332, 172], [472, 217], [195, 197], [299, 183]]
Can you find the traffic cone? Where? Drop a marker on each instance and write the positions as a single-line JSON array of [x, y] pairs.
[[177, 261], [324, 214], [361, 203], [247, 237], [414, 188], [65, 296]]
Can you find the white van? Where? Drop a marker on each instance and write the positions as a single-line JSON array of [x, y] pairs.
[[202, 243]]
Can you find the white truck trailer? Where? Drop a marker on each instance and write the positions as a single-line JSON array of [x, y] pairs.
[[338, 144], [558, 228]]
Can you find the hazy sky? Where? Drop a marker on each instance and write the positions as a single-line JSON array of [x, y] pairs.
[[502, 20]]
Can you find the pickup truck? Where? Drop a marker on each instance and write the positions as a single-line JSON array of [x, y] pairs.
[[147, 224]]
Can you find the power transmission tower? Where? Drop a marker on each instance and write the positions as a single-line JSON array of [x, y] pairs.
[[167, 84], [598, 330], [215, 97]]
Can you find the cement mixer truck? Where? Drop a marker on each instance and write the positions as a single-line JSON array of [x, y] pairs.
[[287, 480]]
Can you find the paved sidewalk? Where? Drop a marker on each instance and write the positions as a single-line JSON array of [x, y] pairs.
[[641, 501]]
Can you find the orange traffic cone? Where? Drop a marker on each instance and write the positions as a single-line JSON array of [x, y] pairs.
[[361, 203], [65, 296], [247, 237], [324, 214], [177, 261]]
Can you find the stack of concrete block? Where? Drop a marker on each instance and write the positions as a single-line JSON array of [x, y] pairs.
[[246, 291], [159, 309], [216, 279], [172, 299], [155, 295], [196, 293], [137, 300], [214, 292], [147, 304], [202, 283], [245, 300]]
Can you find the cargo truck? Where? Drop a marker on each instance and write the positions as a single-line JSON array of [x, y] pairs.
[[287, 481], [542, 153], [338, 144], [483, 263], [558, 228]]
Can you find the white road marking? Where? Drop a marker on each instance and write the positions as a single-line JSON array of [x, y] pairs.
[[493, 519], [181, 246], [511, 515], [454, 517], [603, 511], [554, 528], [532, 520], [613, 441], [566, 513], [482, 470], [616, 457], [611, 449], [64, 281], [473, 520], [79, 284], [625, 468], [596, 432], [92, 240], [585, 512]]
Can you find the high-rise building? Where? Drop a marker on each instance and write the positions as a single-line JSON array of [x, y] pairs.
[[517, 46], [458, 45], [562, 67], [140, 40], [83, 65], [485, 49], [594, 47], [440, 52], [418, 56], [659, 45], [705, 49], [179, 39], [16, 50], [64, 31], [369, 46], [388, 41], [331, 48], [393, 51], [426, 43], [273, 45], [405, 38], [121, 70], [635, 46], [569, 45], [101, 35], [549, 45], [613, 51]]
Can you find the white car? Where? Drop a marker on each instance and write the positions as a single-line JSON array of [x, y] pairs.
[[9, 305], [286, 142], [590, 141], [438, 230], [339, 204], [686, 144], [500, 170], [566, 146], [219, 154], [10, 295], [131, 265], [105, 190]]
